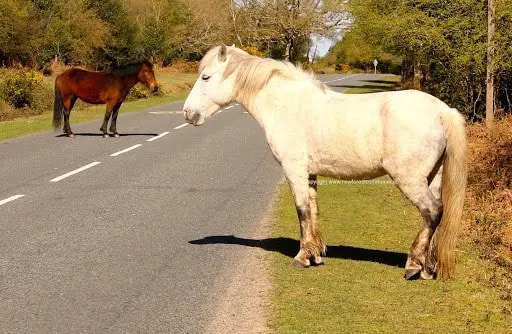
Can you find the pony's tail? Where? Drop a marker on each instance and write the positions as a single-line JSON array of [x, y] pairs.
[[452, 192], [58, 105]]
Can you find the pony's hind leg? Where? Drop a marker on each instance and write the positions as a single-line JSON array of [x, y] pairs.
[[311, 244], [435, 187], [69, 103], [430, 207]]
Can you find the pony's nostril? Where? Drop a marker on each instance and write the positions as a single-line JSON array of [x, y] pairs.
[[186, 114], [195, 118]]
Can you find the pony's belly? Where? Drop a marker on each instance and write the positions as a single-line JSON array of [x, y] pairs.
[[95, 102], [352, 170]]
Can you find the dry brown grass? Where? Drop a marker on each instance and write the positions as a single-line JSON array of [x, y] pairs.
[[489, 195], [58, 68], [181, 66], [489, 198]]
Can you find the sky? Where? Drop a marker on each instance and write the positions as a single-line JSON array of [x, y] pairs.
[[322, 45]]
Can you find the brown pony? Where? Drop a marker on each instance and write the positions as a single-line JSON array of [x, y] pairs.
[[110, 88]]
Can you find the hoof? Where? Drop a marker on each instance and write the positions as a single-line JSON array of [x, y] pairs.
[[116, 135], [412, 274], [317, 261], [70, 135], [426, 275], [299, 264], [105, 135], [317, 264]]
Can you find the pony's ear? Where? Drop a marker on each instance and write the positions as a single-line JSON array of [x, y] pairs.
[[223, 52]]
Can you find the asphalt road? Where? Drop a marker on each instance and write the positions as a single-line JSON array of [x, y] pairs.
[[107, 249]]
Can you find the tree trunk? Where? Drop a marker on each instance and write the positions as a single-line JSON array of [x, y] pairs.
[[408, 72], [491, 27], [289, 50]]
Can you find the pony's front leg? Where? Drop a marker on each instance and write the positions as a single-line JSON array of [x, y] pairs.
[[311, 244], [110, 107], [113, 124], [315, 217]]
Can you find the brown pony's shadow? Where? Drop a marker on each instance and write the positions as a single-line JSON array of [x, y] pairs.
[[289, 247], [98, 134]]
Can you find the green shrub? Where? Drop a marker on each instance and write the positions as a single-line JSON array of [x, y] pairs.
[[42, 98], [141, 92], [23, 93], [138, 92], [16, 88]]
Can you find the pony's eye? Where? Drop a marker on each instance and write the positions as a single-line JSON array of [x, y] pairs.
[[205, 77]]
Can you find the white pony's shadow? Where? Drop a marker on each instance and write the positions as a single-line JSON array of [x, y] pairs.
[[288, 247]]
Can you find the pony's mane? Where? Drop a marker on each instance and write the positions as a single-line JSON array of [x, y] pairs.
[[128, 70], [253, 73]]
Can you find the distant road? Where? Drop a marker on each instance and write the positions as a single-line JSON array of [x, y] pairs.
[[94, 233]]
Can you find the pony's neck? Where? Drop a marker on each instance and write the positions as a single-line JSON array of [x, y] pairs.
[[261, 106], [130, 81]]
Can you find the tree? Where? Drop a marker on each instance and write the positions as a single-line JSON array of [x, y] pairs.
[[33, 32], [121, 40], [63, 32], [160, 24], [289, 22], [17, 31], [491, 31]]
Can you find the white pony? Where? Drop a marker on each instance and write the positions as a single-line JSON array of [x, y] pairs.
[[411, 136]]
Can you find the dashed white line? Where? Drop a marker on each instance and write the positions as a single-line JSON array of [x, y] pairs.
[[159, 136], [76, 171], [181, 126], [125, 150], [10, 199], [227, 108]]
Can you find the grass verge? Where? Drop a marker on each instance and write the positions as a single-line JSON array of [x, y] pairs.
[[369, 229], [26, 125]]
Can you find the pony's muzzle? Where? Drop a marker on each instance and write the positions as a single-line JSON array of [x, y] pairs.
[[153, 89], [190, 116]]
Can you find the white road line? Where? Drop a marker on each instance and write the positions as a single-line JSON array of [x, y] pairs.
[[165, 112], [227, 108], [181, 126], [350, 76], [10, 199], [218, 112], [125, 150], [159, 136], [76, 171]]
